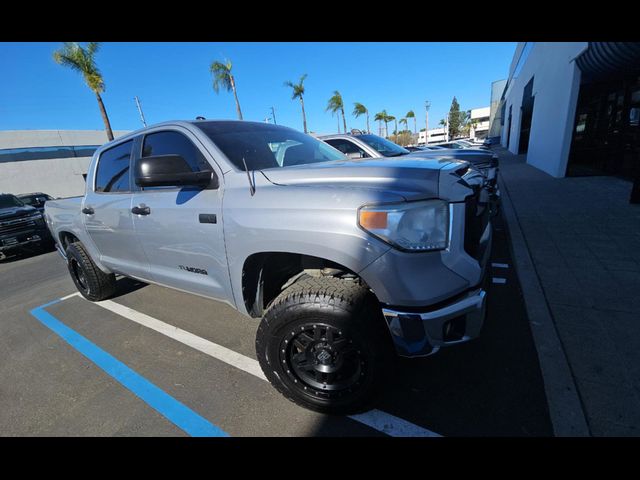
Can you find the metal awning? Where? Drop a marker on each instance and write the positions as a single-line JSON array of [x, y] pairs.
[[610, 59]]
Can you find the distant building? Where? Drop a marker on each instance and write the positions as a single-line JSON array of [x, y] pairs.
[[480, 118], [574, 107], [435, 135], [49, 161]]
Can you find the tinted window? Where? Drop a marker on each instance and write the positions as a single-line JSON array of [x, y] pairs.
[[346, 147], [113, 169], [264, 146], [35, 200], [383, 146], [175, 143]]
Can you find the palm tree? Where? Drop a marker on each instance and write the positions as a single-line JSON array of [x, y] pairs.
[[403, 120], [360, 109], [380, 117], [223, 78], [82, 60], [391, 118], [298, 92], [336, 104], [410, 114]]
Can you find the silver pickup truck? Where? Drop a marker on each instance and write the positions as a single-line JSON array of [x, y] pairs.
[[345, 261]]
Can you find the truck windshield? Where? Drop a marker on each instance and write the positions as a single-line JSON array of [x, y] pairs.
[[8, 201], [265, 146], [383, 146]]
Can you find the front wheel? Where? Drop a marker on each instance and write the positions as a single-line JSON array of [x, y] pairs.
[[323, 345], [91, 282]]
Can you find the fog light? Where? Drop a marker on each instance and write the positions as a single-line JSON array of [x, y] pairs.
[[454, 329]]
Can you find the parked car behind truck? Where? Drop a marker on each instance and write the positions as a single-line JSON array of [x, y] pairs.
[[371, 146], [21, 226], [344, 261]]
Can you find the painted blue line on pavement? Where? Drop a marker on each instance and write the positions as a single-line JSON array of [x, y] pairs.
[[176, 412]]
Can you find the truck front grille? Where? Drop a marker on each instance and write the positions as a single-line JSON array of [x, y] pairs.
[[476, 218], [16, 225]]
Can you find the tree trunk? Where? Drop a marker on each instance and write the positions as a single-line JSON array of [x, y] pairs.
[[304, 116], [344, 121], [105, 118], [368, 131], [235, 94], [415, 125]]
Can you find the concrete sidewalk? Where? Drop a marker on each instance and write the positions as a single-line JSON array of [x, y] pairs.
[[583, 239]]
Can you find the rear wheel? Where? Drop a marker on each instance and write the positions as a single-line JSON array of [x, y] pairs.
[[323, 345], [91, 282]]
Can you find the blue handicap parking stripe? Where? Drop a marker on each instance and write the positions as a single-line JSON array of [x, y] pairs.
[[176, 412]]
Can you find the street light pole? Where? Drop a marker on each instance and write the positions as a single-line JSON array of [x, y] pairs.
[[427, 104]]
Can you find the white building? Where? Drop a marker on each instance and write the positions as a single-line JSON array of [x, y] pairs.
[[49, 161], [574, 108], [435, 135], [479, 122]]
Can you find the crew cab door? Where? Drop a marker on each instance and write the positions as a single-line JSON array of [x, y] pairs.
[[180, 228], [106, 213]]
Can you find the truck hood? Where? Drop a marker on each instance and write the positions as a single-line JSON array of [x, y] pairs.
[[16, 212], [476, 157], [410, 177]]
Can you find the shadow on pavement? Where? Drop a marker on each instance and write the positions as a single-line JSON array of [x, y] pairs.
[[26, 252], [126, 285]]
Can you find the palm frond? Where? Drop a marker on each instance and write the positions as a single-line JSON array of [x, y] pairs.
[[359, 109], [221, 75], [82, 60]]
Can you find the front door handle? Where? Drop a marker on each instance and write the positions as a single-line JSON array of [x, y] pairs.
[[88, 211], [140, 210]]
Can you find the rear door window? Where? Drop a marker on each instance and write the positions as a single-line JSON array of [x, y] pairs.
[[113, 173]]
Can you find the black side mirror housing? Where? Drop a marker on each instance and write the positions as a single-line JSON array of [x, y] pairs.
[[170, 170]]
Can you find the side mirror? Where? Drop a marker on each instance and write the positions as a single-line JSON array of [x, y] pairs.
[[169, 170], [355, 155]]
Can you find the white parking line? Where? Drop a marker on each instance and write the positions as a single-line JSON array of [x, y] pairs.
[[499, 280], [500, 265], [77, 294], [376, 419], [214, 350]]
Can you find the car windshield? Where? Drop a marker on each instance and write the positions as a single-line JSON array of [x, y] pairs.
[[383, 146], [8, 201], [264, 146], [33, 199]]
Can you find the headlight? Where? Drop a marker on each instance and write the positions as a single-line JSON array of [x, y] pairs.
[[410, 226], [37, 217]]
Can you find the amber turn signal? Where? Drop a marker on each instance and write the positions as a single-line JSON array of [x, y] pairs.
[[373, 220]]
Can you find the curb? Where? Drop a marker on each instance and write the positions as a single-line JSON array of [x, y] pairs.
[[565, 408]]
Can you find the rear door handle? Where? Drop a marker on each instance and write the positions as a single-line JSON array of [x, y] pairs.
[[140, 210], [88, 211]]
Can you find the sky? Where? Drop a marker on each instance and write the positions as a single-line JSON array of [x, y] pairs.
[[173, 82]]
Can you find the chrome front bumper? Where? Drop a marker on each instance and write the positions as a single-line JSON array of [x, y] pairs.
[[421, 334]]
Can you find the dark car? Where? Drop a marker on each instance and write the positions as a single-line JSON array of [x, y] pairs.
[[21, 226], [36, 199]]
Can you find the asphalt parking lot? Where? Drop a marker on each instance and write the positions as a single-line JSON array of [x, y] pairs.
[[157, 362]]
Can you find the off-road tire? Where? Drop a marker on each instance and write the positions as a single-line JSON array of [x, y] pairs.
[[335, 310], [91, 282]]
